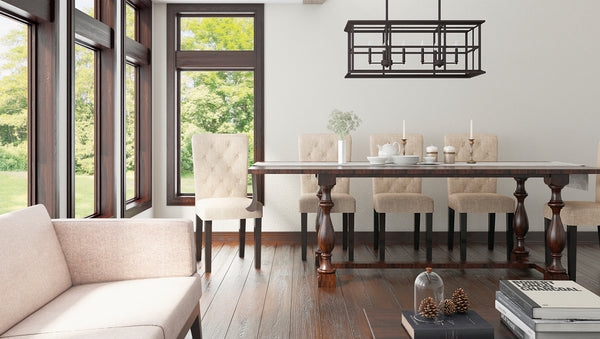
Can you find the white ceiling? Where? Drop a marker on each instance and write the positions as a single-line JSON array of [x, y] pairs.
[[227, 1]]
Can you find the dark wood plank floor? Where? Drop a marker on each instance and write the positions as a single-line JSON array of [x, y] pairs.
[[282, 300]]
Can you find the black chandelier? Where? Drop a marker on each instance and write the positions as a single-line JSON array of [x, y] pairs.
[[414, 48]]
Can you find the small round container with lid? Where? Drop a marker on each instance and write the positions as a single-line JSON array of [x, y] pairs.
[[449, 154], [431, 151]]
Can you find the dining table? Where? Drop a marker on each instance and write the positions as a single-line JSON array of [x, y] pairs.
[[555, 174]]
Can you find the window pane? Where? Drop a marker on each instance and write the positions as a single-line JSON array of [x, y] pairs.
[[130, 123], [85, 147], [13, 114], [217, 34], [130, 22], [86, 6], [214, 102]]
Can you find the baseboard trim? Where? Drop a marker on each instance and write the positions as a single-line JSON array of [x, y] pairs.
[[391, 237]]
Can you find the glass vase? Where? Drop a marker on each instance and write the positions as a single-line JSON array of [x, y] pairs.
[[428, 284]]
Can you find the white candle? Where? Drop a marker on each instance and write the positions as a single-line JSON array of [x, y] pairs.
[[403, 129], [471, 130]]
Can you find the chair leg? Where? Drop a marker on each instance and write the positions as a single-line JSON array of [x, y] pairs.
[[242, 237], [304, 233], [491, 230], [450, 228], [572, 252], [257, 242], [510, 234], [376, 230], [463, 236], [417, 231], [198, 238], [429, 235], [208, 246], [599, 235], [381, 236], [345, 231], [196, 329], [547, 254], [351, 236]]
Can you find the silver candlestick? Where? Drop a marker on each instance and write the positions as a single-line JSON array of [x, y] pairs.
[[404, 146]]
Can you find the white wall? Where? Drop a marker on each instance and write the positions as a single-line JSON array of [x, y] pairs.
[[538, 96]]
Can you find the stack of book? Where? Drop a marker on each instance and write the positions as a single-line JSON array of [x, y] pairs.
[[548, 309]]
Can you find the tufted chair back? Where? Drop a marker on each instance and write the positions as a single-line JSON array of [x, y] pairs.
[[598, 178], [220, 165], [322, 147], [414, 146], [484, 149]]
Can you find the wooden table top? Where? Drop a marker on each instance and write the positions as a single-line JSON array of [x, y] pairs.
[[481, 169]]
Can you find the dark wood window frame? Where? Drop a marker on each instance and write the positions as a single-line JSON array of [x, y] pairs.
[[42, 172], [205, 61], [137, 53], [97, 34]]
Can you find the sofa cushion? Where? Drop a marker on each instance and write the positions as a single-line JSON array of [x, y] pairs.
[[33, 269], [163, 302], [133, 332]]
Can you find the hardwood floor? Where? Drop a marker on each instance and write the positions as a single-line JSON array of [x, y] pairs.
[[281, 300]]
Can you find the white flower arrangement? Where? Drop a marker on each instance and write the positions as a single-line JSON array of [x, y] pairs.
[[342, 123]]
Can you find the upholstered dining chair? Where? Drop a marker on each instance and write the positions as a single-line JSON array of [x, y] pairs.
[[575, 214], [400, 195], [323, 147], [476, 195], [221, 188]]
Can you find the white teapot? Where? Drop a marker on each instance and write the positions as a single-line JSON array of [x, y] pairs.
[[388, 150]]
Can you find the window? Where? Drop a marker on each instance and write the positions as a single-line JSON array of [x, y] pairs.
[[27, 105], [85, 131], [86, 6], [14, 114], [215, 68], [91, 192], [136, 188]]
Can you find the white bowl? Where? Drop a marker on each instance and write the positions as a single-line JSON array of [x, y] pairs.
[[405, 159], [377, 160]]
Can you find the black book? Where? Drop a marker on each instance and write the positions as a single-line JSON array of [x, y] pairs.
[[552, 299], [458, 326]]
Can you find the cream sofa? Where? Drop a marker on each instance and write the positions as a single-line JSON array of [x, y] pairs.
[[97, 278]]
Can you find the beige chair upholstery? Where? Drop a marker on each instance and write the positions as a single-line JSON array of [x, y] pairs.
[[575, 214], [398, 195], [324, 147], [476, 195], [221, 188], [97, 278]]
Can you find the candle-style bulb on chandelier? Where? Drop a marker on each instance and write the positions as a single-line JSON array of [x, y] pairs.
[[447, 48]]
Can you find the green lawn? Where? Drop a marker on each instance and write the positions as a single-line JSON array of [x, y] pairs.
[[13, 193]]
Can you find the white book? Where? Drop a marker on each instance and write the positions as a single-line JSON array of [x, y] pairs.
[[521, 330], [547, 325], [552, 299]]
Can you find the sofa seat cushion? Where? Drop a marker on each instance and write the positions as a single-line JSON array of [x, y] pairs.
[[402, 203], [132, 332], [162, 302], [342, 203], [33, 269], [226, 208], [481, 203]]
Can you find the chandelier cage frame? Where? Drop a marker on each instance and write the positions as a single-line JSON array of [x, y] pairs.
[[445, 48]]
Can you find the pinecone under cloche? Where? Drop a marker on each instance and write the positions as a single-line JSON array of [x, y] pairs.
[[461, 300], [428, 308], [448, 307]]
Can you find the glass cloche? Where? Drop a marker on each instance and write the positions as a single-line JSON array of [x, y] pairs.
[[429, 293]]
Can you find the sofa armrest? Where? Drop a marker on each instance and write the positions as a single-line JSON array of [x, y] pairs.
[[99, 250]]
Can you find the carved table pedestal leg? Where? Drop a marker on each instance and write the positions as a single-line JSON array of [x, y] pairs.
[[556, 237], [520, 222], [317, 225], [326, 236]]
